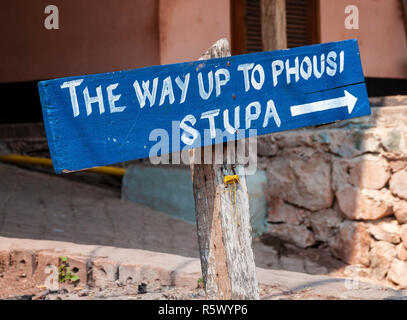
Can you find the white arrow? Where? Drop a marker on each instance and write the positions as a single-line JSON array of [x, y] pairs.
[[347, 100]]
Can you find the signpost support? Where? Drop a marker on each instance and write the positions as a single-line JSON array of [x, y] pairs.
[[100, 119], [223, 219], [273, 25]]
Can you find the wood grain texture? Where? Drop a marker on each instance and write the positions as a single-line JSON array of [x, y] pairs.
[[111, 122], [273, 25], [223, 221]]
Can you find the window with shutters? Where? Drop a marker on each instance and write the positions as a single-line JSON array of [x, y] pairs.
[[253, 26], [302, 24]]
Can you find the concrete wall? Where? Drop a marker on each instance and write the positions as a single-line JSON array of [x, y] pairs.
[[189, 28], [381, 34], [169, 189], [95, 36]]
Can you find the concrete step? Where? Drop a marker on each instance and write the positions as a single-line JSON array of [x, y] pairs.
[[103, 267]]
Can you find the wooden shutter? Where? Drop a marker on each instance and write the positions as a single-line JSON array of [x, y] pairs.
[[253, 26], [302, 22], [246, 26]]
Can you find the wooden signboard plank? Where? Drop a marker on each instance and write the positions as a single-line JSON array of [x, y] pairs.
[[101, 119]]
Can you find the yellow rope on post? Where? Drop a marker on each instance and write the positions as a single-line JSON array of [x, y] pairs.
[[232, 180]]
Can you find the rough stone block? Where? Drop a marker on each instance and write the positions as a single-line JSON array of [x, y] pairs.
[[279, 211], [367, 171], [129, 273], [325, 223], [371, 172], [382, 255], [403, 234], [352, 243], [350, 143], [47, 268], [393, 140], [389, 117], [387, 230], [364, 204], [302, 176], [4, 260], [46, 272], [104, 273], [398, 273], [401, 252], [78, 266], [397, 165], [398, 184], [266, 145], [23, 262], [400, 210], [298, 235]]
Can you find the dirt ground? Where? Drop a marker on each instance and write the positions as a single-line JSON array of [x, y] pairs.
[[161, 293]]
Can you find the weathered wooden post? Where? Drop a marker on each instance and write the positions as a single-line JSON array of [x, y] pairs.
[[273, 24], [223, 221]]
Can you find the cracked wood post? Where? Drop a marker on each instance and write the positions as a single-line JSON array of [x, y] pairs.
[[225, 243], [273, 25]]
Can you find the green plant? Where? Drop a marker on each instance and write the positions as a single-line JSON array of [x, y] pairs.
[[200, 282], [64, 273]]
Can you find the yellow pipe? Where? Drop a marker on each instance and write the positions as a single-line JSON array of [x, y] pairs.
[[15, 158]]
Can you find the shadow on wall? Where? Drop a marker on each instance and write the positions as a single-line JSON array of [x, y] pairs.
[[43, 206], [169, 189]]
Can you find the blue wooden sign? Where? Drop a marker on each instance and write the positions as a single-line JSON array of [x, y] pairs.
[[101, 119]]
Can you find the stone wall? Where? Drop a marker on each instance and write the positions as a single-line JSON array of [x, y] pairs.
[[341, 189]]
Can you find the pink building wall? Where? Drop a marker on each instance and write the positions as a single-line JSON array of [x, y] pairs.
[[381, 34], [137, 33], [104, 35], [94, 36], [188, 28]]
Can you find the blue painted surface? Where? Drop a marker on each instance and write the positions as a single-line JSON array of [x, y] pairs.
[[119, 130], [154, 187]]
